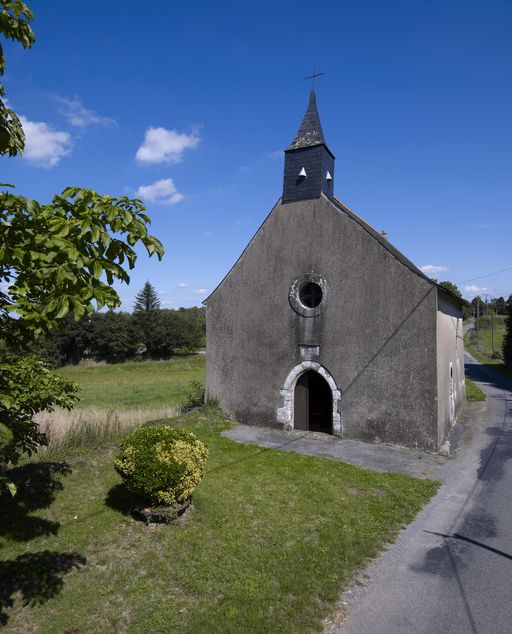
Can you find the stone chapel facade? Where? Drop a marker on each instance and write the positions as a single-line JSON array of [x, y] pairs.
[[323, 325]]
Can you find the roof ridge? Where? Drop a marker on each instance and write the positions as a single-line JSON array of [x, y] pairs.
[[342, 204]]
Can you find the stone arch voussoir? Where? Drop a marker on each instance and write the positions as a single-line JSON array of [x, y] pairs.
[[285, 414]]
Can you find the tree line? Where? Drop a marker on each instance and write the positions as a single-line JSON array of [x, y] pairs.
[[150, 332], [498, 305], [479, 307]]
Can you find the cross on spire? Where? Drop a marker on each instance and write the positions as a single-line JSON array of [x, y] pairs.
[[313, 77]]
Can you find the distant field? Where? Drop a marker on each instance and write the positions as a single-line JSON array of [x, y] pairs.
[[137, 384], [485, 341], [481, 347]]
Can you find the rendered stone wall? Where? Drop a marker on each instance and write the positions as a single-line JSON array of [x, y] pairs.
[[375, 335], [450, 347]]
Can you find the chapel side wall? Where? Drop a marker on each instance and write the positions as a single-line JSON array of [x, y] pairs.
[[450, 351], [376, 332]]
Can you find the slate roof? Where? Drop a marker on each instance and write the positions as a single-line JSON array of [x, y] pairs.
[[310, 132]]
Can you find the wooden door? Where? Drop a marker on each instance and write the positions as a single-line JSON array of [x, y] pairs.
[[301, 403]]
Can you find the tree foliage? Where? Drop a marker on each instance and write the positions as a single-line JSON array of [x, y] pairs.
[[450, 286], [113, 337], [15, 18], [28, 387], [69, 343], [55, 259], [146, 299], [118, 336], [63, 257], [163, 332]]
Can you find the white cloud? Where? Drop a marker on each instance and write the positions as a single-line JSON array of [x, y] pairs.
[[167, 302], [80, 116], [276, 154], [433, 268], [165, 146], [183, 285], [162, 192], [44, 146], [476, 289], [200, 291]]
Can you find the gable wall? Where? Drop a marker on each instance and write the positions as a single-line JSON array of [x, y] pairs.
[[377, 332]]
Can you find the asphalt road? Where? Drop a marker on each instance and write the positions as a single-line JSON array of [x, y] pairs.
[[451, 569]]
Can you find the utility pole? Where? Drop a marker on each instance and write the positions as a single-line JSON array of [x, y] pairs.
[[477, 325], [492, 330]]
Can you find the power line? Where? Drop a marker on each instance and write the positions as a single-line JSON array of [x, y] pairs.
[[480, 277]]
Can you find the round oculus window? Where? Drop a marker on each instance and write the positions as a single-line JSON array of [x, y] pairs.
[[311, 294], [308, 294]]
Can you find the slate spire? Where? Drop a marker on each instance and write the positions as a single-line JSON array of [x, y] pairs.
[[310, 132], [308, 162]]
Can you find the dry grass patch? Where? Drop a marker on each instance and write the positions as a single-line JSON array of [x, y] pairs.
[[94, 426]]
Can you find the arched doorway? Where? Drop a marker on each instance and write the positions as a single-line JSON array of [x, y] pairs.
[[313, 403], [285, 413]]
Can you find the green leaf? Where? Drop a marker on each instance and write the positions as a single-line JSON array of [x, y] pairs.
[[6, 435], [6, 401], [64, 309], [78, 308], [97, 269]]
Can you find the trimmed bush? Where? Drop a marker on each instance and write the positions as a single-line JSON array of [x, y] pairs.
[[160, 464]]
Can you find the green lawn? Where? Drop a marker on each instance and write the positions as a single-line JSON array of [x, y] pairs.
[[271, 541], [486, 336], [480, 347], [136, 384], [473, 392]]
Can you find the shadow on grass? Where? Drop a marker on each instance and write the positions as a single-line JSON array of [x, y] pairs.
[[121, 500], [36, 577], [36, 485]]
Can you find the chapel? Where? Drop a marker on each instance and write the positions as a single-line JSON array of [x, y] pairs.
[[323, 325]]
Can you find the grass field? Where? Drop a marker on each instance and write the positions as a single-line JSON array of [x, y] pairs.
[[271, 541], [491, 337], [481, 346], [137, 384]]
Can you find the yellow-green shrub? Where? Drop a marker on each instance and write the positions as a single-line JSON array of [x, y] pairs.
[[161, 464]]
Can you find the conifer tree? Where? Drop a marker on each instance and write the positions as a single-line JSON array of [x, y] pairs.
[[146, 299], [507, 342]]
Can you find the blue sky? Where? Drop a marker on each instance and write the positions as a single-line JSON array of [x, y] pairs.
[[189, 105]]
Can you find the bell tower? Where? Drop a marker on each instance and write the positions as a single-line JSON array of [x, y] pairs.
[[308, 162]]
